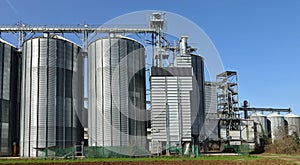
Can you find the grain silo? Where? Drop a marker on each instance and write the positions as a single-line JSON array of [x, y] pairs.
[[276, 126], [117, 101], [261, 123], [9, 104], [51, 95], [293, 123]]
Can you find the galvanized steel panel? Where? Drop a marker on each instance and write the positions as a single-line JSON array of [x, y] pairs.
[[47, 109], [6, 72], [116, 101], [293, 123], [277, 124], [261, 120]]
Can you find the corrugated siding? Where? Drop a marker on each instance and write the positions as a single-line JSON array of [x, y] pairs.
[[211, 120], [91, 78], [49, 101], [293, 124], [107, 94], [170, 99], [185, 86], [52, 82], [115, 93], [158, 103], [8, 101], [124, 94], [6, 73], [98, 100], [26, 110], [41, 53], [276, 124]]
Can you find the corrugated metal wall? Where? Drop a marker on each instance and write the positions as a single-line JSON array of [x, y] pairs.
[[9, 101], [276, 125], [197, 98], [211, 120], [171, 105], [117, 101], [177, 101], [51, 96], [293, 123], [261, 120]]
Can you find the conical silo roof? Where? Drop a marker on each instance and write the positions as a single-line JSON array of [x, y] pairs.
[[256, 114], [290, 115], [274, 115]]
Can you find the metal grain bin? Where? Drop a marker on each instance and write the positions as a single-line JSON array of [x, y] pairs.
[[248, 130], [276, 125], [293, 123], [261, 121], [117, 100], [51, 95], [9, 98]]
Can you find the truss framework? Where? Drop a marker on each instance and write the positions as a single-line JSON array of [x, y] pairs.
[[23, 30]]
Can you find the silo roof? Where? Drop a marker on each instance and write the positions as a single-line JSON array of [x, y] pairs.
[[274, 115], [118, 37], [55, 36], [65, 39], [290, 115], [255, 114]]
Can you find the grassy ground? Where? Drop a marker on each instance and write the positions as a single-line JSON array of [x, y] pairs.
[[146, 159], [291, 158]]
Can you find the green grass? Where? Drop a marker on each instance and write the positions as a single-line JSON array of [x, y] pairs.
[[46, 160]]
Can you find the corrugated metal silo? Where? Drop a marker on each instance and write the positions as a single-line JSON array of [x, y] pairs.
[[276, 125], [117, 101], [9, 99], [248, 130], [261, 121], [51, 95], [293, 122]]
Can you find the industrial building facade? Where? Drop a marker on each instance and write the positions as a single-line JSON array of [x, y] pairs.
[[171, 106], [177, 102], [42, 96]]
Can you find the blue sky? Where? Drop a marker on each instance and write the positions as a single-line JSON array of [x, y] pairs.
[[259, 39]]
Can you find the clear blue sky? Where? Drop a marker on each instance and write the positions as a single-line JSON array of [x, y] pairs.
[[259, 39]]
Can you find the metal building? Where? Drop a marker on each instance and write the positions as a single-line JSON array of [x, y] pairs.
[[171, 107], [9, 99], [51, 95], [177, 101], [117, 99], [275, 125], [293, 123]]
